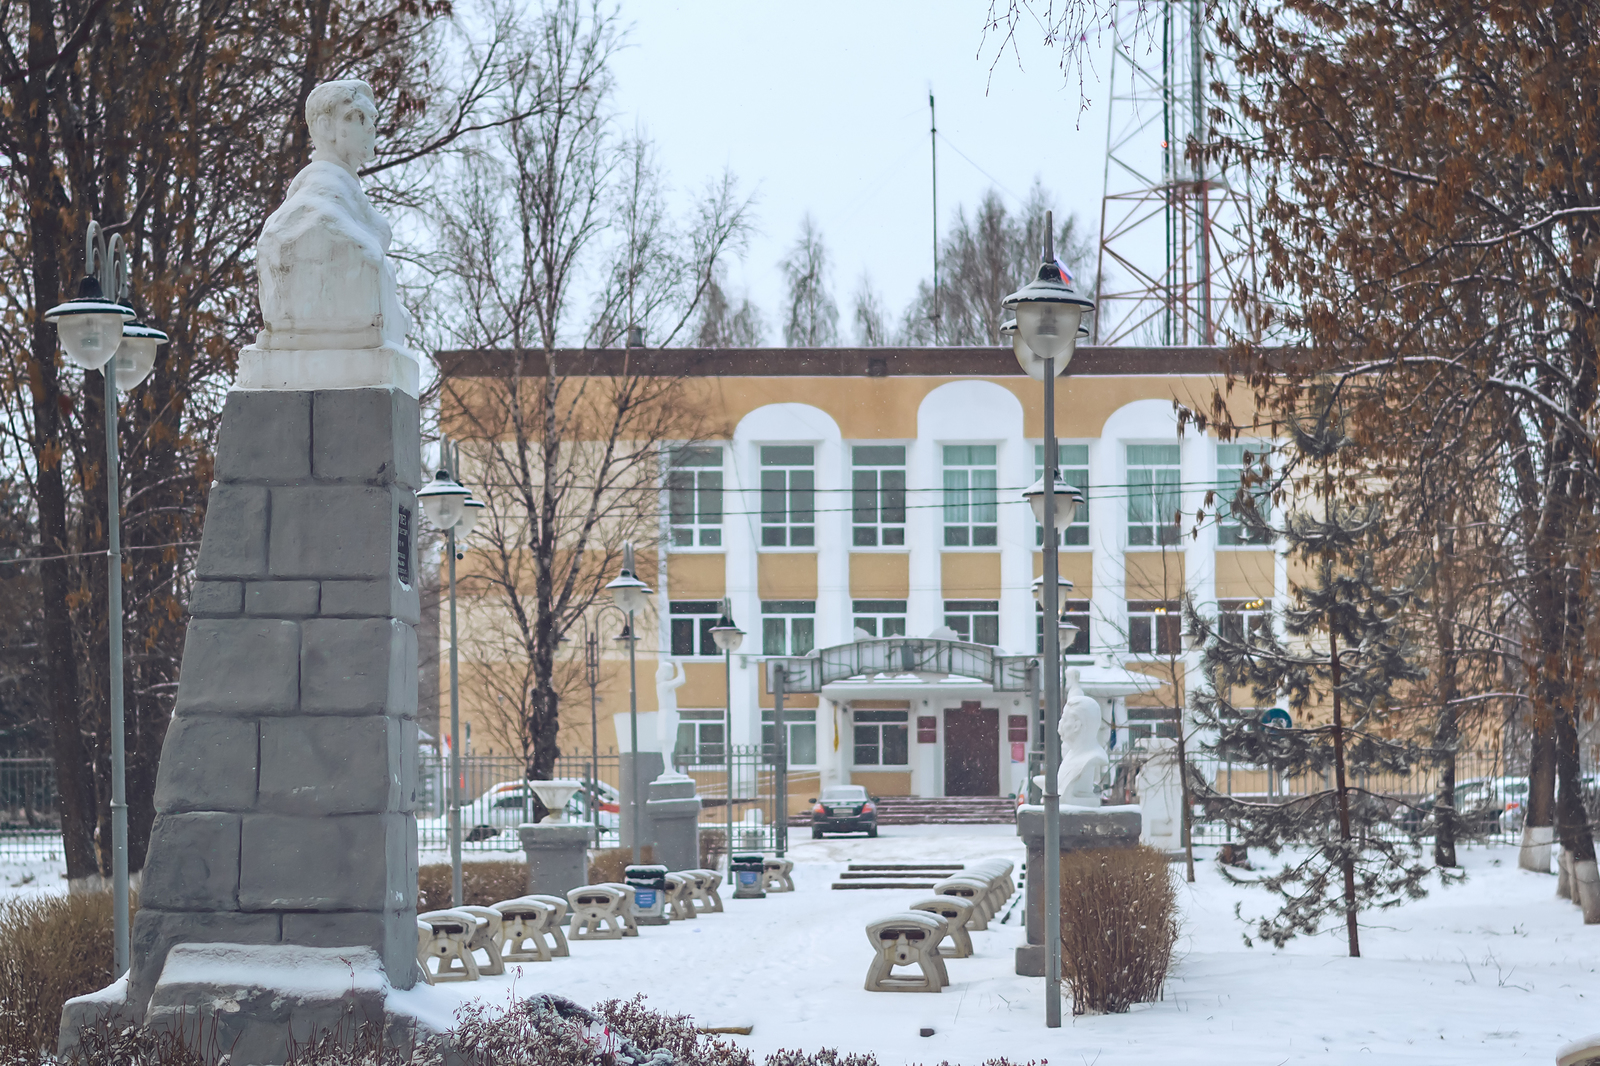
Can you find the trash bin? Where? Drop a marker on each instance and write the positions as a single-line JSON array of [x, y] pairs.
[[649, 884], [747, 876]]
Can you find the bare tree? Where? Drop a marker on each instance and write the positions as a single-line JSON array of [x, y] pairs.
[[724, 326], [566, 447], [872, 329], [812, 318]]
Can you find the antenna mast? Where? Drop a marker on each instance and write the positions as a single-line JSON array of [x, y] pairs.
[[933, 146]]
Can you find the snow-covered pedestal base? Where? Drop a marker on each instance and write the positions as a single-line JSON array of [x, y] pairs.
[[558, 857], [253, 1003], [351, 368], [1082, 829]]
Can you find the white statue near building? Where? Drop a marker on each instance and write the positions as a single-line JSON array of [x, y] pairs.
[[1083, 756], [1161, 796], [329, 298], [669, 679]]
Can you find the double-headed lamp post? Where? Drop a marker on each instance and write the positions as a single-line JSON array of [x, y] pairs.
[[632, 596], [449, 506], [1049, 314], [728, 637], [96, 328]]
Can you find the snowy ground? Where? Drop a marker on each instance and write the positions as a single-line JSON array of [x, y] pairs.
[[1496, 970], [1493, 971]]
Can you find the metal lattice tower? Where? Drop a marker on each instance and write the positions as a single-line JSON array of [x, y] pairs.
[[1176, 241]]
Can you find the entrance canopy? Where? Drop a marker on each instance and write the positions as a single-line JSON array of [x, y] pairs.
[[925, 658]]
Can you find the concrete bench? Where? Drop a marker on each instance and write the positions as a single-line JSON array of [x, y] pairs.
[[706, 883], [558, 947], [486, 939], [444, 936], [680, 897], [910, 938], [973, 889], [998, 871], [775, 875], [524, 924], [629, 926], [955, 911], [599, 912]]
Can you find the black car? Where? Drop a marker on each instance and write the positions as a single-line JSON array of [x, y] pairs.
[[844, 809]]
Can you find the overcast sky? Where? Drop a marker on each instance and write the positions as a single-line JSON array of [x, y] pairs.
[[823, 107]]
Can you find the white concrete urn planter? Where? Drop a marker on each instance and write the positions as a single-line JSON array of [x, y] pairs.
[[555, 794]]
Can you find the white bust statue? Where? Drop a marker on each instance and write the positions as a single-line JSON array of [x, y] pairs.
[[1082, 755], [669, 679], [326, 281]]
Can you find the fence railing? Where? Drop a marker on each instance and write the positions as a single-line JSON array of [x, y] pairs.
[[494, 803]]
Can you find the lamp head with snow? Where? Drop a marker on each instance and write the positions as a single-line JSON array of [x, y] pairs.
[[1063, 586], [90, 325], [628, 591], [727, 635], [136, 356], [1048, 310], [443, 499], [471, 511], [1068, 499]]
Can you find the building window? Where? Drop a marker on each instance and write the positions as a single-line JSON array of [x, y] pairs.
[[801, 725], [975, 621], [691, 626], [788, 627], [1154, 627], [1153, 502], [1076, 612], [878, 495], [970, 512], [880, 738], [1232, 462], [700, 737], [881, 618], [1241, 620], [694, 496], [1074, 465], [788, 496]]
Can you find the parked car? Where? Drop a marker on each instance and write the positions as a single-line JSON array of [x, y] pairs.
[[510, 803], [844, 809], [1484, 805]]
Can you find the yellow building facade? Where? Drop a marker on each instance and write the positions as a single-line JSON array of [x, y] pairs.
[[844, 492]]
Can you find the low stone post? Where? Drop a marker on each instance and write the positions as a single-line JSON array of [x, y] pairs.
[[673, 810], [1082, 829], [558, 857]]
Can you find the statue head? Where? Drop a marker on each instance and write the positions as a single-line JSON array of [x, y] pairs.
[[343, 120], [664, 670]]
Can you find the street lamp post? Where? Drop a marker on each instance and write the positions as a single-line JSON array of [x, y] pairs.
[[632, 595], [728, 637], [1048, 315], [97, 329], [445, 501]]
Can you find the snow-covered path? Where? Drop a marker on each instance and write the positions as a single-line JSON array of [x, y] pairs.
[[1493, 971]]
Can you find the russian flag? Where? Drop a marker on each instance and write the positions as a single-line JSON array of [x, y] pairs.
[[1066, 275]]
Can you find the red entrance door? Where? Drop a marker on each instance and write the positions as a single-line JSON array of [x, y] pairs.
[[971, 751]]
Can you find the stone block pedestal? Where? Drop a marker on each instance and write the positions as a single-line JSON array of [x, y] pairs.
[[558, 857], [650, 766], [1082, 829], [674, 812], [287, 786]]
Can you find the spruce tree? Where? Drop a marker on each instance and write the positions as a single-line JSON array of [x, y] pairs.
[[1334, 660]]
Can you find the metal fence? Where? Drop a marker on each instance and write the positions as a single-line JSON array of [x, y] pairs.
[[1490, 793], [754, 795], [493, 803]]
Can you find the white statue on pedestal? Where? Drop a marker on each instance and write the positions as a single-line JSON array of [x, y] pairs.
[[1083, 758], [669, 679], [1161, 796], [329, 298]]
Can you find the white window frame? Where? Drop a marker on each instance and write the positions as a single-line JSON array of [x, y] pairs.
[[1076, 536], [1169, 534], [879, 612], [802, 534], [788, 612], [708, 609], [1231, 534], [699, 721], [877, 721], [959, 499], [973, 610], [890, 534], [700, 533], [797, 721]]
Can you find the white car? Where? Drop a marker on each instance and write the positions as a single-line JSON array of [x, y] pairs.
[[511, 803]]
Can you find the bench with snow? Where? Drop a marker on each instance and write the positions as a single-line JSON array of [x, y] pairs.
[[486, 939], [1584, 1052], [680, 897], [775, 875], [446, 937], [956, 911], [600, 912], [975, 889], [704, 893], [525, 923], [910, 938], [998, 872]]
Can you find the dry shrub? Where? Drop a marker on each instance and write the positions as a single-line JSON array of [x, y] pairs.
[[482, 883], [1119, 922], [51, 949], [608, 864], [713, 846]]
